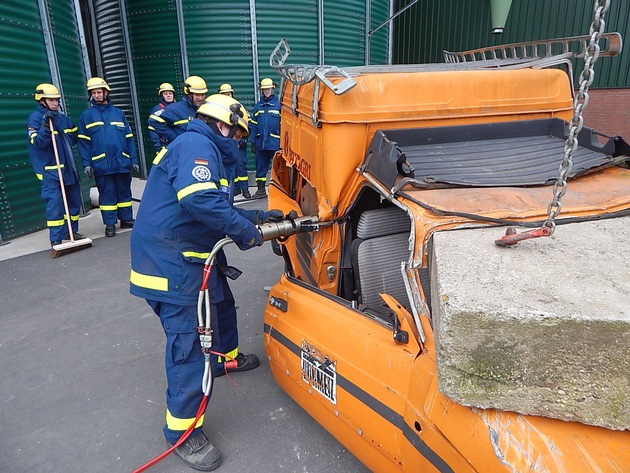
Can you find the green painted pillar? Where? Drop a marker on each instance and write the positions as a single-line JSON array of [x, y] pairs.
[[499, 10]]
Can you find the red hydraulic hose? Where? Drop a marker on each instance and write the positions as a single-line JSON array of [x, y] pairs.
[[207, 270], [202, 407]]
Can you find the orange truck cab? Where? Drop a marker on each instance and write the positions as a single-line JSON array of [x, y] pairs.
[[386, 158]]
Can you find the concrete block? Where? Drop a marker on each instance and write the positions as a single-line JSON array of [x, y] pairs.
[[542, 328]]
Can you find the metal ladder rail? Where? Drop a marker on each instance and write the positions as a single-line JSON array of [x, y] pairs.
[[532, 50]]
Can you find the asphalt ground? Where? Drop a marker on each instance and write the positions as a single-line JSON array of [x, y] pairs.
[[82, 370]]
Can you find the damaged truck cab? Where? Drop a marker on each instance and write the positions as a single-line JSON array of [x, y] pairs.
[[385, 327]]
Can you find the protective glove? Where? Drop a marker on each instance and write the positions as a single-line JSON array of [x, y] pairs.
[[251, 239], [49, 115], [135, 168], [89, 172], [273, 215], [242, 144], [253, 147]]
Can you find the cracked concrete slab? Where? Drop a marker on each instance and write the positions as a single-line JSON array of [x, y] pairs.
[[542, 328]]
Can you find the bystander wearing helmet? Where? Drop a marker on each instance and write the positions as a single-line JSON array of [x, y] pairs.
[[241, 179], [108, 154], [265, 133], [173, 120], [166, 92], [185, 210], [42, 155]]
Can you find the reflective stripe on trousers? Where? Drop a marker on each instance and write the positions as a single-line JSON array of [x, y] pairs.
[[114, 197], [184, 360]]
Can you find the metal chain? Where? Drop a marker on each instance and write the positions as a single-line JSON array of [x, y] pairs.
[[579, 104]]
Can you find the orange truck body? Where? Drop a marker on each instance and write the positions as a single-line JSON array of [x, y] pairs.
[[376, 394]]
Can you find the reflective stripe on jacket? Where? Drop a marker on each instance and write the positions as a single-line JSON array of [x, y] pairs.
[[185, 210], [105, 140], [155, 138], [173, 120], [264, 126], [40, 147]]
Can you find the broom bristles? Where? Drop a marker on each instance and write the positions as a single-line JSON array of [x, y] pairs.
[[70, 247]]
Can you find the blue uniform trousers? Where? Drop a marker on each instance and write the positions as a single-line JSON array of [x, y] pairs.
[[55, 212], [184, 360], [263, 159], [241, 178], [114, 197]]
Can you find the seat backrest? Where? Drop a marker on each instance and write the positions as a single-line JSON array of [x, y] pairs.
[[381, 247], [384, 221]]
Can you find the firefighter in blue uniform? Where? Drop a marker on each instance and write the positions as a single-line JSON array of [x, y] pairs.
[[166, 92], [41, 153], [241, 180], [173, 120], [108, 154], [265, 133], [186, 209]]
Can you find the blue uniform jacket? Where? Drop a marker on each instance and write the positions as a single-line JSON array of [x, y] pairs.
[[186, 208], [173, 120], [155, 138], [264, 126], [105, 140], [40, 147]]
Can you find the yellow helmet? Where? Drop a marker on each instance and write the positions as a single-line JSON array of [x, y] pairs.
[[165, 86], [227, 110], [195, 85], [46, 91], [225, 88], [97, 83], [266, 83]]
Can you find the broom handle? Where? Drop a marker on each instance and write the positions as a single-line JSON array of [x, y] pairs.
[[63, 188]]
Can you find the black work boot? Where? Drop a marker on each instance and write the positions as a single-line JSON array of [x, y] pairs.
[[240, 363], [246, 194], [237, 192], [110, 230], [260, 193], [127, 223], [198, 453]]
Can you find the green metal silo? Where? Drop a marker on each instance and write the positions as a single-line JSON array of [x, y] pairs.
[[137, 44], [232, 41]]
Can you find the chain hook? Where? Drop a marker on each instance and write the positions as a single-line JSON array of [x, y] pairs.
[[570, 145], [579, 104]]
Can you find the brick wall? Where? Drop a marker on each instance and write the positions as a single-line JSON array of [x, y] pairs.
[[608, 111]]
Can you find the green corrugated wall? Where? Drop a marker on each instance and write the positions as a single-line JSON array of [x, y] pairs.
[[24, 64], [345, 25], [429, 27], [219, 41], [156, 53], [219, 44], [380, 39]]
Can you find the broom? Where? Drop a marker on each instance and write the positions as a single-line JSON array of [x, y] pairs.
[[73, 245]]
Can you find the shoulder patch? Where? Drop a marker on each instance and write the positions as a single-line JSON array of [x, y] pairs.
[[157, 113], [201, 161], [201, 173]]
